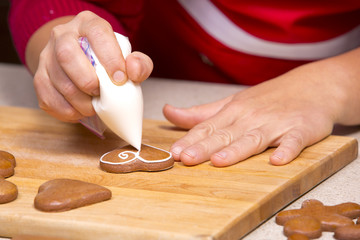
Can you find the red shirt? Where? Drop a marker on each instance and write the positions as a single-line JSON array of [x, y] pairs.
[[183, 48]]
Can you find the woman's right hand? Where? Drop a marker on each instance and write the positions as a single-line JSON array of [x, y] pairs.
[[64, 79]]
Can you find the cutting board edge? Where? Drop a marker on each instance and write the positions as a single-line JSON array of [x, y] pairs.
[[87, 230]]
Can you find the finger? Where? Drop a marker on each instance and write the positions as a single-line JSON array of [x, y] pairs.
[[138, 66], [74, 62], [76, 98], [202, 150], [51, 101], [189, 117], [289, 148], [103, 41], [197, 134], [66, 87], [251, 143]]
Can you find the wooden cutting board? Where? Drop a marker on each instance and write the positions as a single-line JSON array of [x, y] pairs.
[[201, 202]]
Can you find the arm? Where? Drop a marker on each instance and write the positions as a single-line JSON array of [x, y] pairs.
[[64, 79], [290, 112]]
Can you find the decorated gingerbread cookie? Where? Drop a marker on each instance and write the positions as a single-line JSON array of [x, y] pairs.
[[314, 217], [128, 159], [7, 164], [65, 194]]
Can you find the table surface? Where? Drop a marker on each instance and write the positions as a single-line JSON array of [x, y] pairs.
[[16, 89]]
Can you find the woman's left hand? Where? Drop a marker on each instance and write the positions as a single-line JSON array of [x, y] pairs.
[[290, 112]]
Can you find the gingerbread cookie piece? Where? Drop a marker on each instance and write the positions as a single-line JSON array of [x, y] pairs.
[[303, 225], [8, 191], [351, 232], [129, 159], [7, 164], [65, 194], [330, 217], [298, 236], [8, 156]]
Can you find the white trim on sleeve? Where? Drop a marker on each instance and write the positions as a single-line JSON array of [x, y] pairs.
[[220, 27]]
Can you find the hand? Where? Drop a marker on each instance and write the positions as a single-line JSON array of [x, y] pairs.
[[290, 112], [65, 81]]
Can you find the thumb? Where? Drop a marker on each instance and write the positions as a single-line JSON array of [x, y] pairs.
[[189, 117], [103, 42]]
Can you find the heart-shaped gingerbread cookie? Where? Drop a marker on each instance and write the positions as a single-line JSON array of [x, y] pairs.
[[128, 159], [65, 194]]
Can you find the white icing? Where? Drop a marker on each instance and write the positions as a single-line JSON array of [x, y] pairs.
[[120, 107], [125, 154]]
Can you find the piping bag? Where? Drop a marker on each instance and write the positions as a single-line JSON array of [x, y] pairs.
[[119, 108]]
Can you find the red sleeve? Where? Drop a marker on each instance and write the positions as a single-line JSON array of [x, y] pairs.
[[26, 16]]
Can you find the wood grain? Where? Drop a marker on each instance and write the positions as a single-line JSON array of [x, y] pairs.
[[200, 202]]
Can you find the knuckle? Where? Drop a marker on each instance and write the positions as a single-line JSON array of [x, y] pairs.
[[85, 14], [69, 113], [234, 150], [69, 90], [256, 136], [295, 138], [42, 56], [98, 27], [63, 52], [205, 128], [111, 60], [87, 85], [38, 79], [224, 136], [44, 105], [56, 31]]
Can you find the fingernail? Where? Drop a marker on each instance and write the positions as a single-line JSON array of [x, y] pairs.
[[279, 155], [176, 151], [190, 153], [222, 155], [277, 158], [119, 78]]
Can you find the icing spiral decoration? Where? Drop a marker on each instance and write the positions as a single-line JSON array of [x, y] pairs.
[[126, 154]]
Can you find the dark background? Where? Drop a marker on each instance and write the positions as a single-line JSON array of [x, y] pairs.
[[7, 50]]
